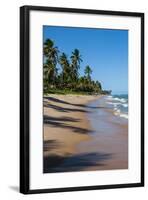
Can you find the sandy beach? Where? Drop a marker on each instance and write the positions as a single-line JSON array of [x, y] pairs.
[[82, 134]]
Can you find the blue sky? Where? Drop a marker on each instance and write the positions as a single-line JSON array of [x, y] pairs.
[[106, 51]]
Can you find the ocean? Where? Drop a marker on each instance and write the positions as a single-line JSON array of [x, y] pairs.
[[119, 103]]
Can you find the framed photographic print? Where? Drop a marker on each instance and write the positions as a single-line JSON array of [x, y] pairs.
[[81, 99]]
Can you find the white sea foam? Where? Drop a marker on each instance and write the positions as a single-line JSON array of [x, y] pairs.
[[118, 113], [120, 100], [117, 99], [123, 100], [117, 109], [125, 105], [113, 103], [109, 98], [124, 115], [120, 106]]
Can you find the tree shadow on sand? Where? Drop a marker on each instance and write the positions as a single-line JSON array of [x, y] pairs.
[[53, 99], [78, 162], [50, 145], [61, 123], [62, 109], [60, 119]]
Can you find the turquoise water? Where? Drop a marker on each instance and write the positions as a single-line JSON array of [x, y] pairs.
[[119, 103]]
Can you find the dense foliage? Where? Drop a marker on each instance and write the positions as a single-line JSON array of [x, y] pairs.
[[61, 74]]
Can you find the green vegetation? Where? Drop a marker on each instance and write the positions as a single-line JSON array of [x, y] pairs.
[[66, 79]]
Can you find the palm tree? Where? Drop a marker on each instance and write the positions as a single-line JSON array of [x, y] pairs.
[[51, 51], [51, 59], [98, 84], [75, 65], [48, 73], [64, 62], [88, 72]]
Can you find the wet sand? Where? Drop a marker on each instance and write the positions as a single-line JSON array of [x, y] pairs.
[[109, 138], [81, 134]]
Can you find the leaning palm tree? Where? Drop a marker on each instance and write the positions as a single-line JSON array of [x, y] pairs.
[[88, 72], [64, 62], [48, 73], [75, 65], [51, 59]]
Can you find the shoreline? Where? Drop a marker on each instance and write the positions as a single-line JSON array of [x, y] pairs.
[[71, 142]]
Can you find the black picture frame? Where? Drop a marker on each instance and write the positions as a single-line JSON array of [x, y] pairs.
[[25, 91]]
